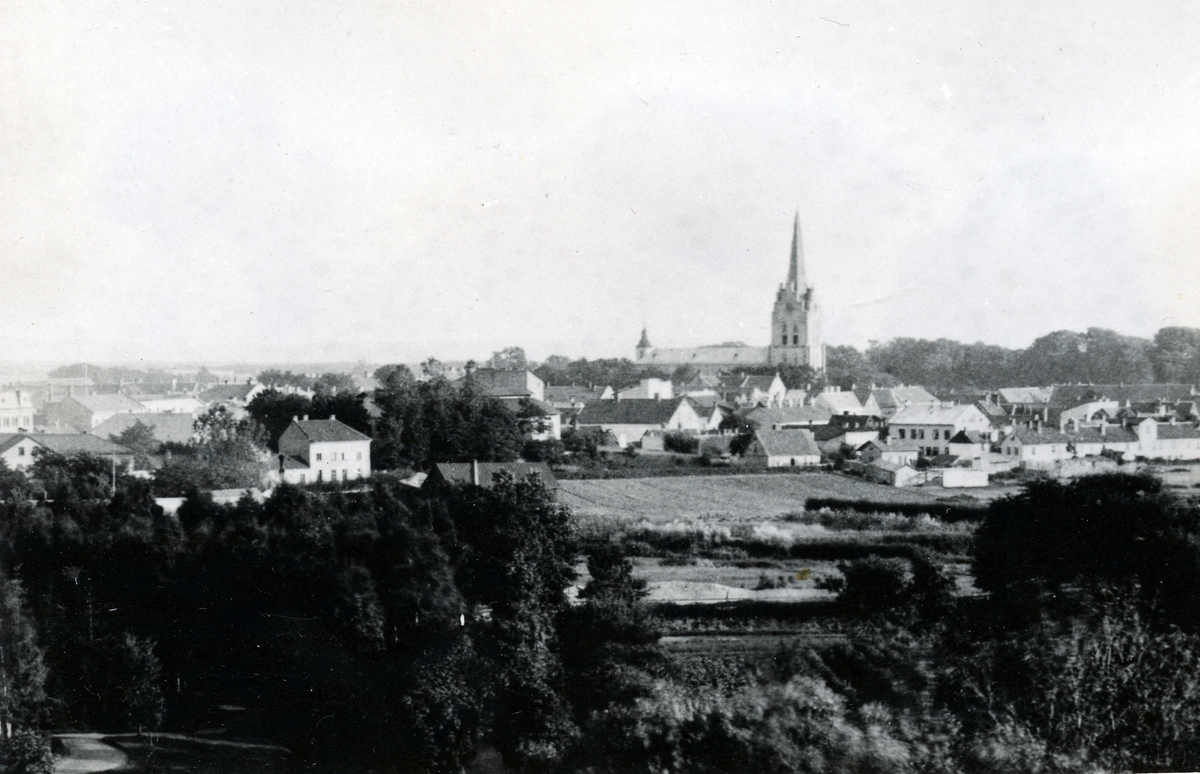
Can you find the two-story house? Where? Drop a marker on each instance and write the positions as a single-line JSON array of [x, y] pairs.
[[323, 450]]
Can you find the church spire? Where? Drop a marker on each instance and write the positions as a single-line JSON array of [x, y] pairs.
[[796, 278], [645, 342]]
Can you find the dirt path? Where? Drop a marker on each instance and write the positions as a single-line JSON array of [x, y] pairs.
[[86, 753]]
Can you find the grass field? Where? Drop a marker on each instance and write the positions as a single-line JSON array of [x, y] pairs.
[[753, 497]]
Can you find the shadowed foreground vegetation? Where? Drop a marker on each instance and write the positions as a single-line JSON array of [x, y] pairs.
[[399, 630]]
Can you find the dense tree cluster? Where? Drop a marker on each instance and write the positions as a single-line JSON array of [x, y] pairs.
[[436, 420], [399, 630], [392, 629], [1063, 357], [615, 372]]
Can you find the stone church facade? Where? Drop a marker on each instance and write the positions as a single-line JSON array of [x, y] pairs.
[[795, 331]]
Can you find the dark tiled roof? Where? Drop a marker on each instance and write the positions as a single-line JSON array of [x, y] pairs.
[[968, 436], [786, 415], [632, 411], [578, 394], [460, 472], [1176, 432], [226, 392], [788, 443], [893, 397], [1069, 396], [114, 402], [497, 383], [760, 381], [67, 444], [1046, 435], [327, 431], [176, 428]]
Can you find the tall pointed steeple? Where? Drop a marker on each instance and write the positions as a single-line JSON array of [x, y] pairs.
[[645, 342], [796, 280]]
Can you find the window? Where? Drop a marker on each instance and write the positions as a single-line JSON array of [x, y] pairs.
[[318, 456], [935, 435], [20, 451], [784, 339], [302, 481], [343, 457], [902, 434], [320, 475], [795, 339], [360, 455], [345, 475]]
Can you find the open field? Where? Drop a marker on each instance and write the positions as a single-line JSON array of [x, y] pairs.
[[752, 497]]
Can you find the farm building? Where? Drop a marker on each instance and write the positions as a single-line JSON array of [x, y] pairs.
[[897, 452], [785, 448], [629, 420], [483, 474], [788, 417], [892, 474]]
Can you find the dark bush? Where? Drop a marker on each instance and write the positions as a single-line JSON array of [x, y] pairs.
[[679, 441]]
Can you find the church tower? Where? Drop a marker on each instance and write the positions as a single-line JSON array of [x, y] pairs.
[[795, 336]]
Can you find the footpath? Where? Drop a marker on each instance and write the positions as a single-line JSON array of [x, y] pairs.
[[86, 753]]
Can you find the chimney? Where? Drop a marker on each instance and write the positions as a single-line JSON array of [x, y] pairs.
[[281, 458], [333, 416], [1103, 428], [295, 418], [475, 472], [306, 417]]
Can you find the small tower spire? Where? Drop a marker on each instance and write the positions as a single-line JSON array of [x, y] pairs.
[[645, 342], [796, 279]]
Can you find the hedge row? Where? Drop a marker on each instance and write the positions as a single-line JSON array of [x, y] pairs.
[[947, 512]]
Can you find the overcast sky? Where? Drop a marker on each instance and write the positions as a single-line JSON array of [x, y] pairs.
[[387, 180]]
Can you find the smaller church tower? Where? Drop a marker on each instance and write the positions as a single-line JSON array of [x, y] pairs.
[[644, 347], [794, 319]]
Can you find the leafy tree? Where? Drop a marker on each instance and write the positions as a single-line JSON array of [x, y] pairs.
[[227, 453], [1175, 355], [273, 377], [509, 359], [275, 410], [439, 421], [684, 374], [13, 484], [334, 384], [22, 668], [78, 477], [1108, 528], [348, 408], [550, 451], [391, 377]]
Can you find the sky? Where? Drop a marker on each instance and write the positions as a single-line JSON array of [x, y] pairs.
[[258, 181]]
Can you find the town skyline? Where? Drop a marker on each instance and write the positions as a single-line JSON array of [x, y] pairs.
[[207, 185]]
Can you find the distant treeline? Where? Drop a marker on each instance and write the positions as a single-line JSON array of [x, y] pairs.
[[1098, 356]]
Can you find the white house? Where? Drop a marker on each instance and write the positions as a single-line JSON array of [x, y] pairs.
[[16, 411], [323, 450], [1041, 448], [838, 402], [629, 420], [17, 449], [653, 389], [785, 448], [932, 427]]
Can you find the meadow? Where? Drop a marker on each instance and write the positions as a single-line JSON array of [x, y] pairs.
[[727, 498]]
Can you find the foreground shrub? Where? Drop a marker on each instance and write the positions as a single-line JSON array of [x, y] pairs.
[[26, 752]]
